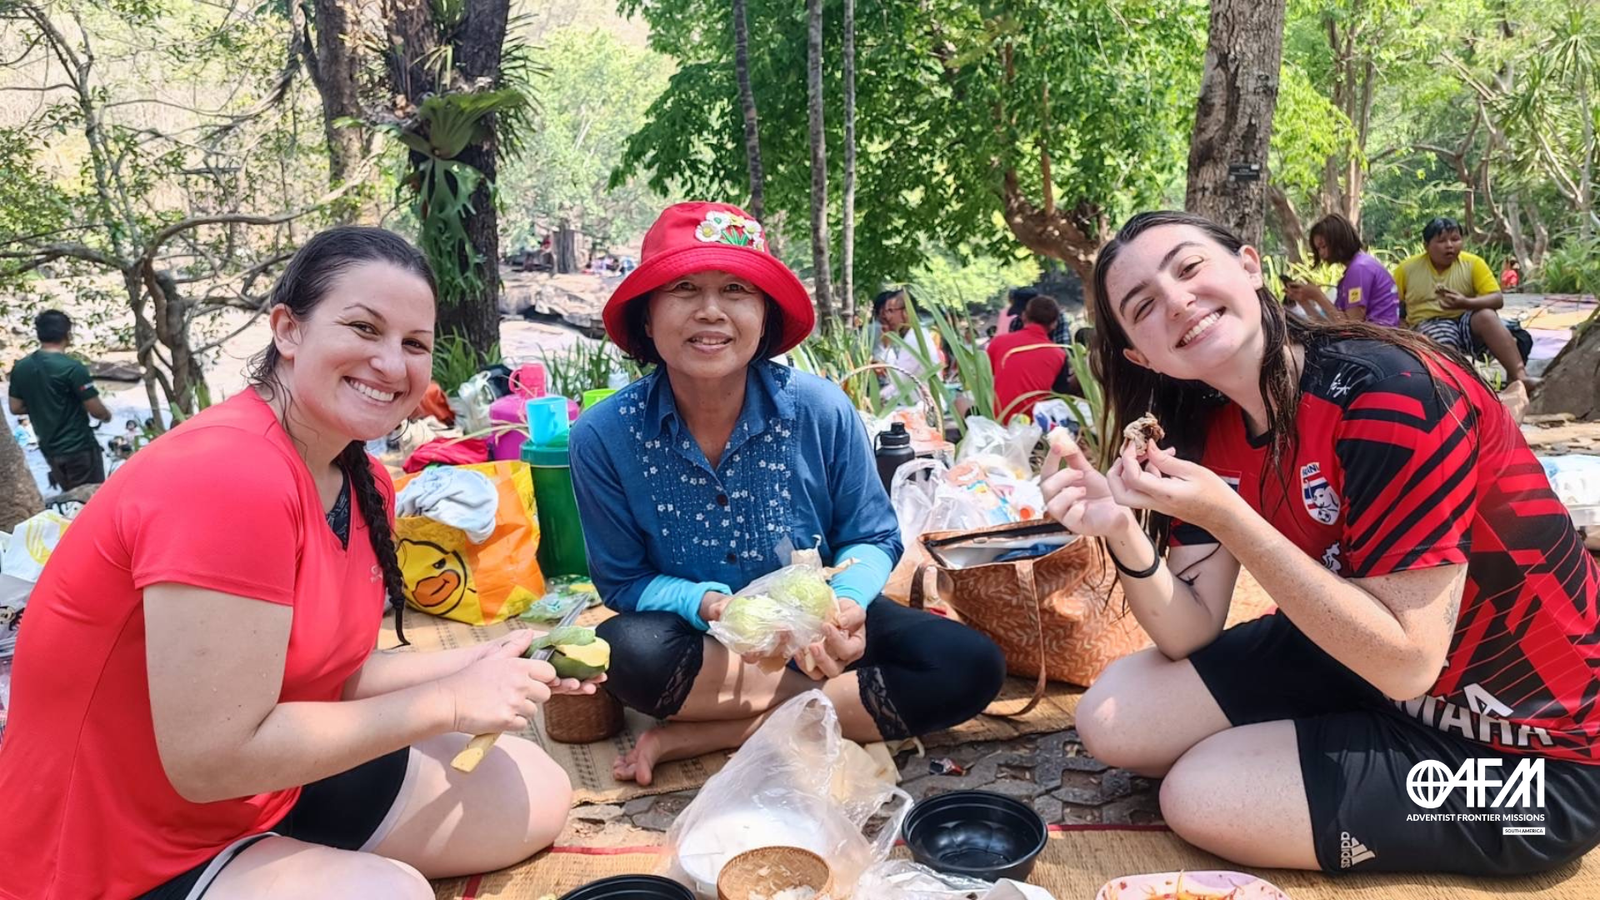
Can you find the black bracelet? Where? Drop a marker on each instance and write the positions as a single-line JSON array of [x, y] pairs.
[[1142, 573]]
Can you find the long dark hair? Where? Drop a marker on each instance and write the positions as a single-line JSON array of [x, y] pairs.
[[302, 286], [1183, 407], [1340, 237]]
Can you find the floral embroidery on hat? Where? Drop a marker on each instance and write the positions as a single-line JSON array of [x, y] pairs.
[[722, 227]]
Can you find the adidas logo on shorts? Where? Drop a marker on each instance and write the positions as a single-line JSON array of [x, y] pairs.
[[1352, 852]]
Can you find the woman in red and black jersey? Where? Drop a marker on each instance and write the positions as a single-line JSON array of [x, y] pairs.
[[1424, 697]]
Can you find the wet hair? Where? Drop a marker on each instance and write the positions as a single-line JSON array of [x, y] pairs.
[[52, 326], [1341, 238], [304, 283], [1437, 226], [1019, 299], [1133, 390], [636, 316], [1042, 309]]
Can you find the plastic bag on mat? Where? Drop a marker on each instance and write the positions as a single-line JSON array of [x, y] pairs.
[[779, 613], [32, 542], [1014, 443], [788, 786], [896, 879], [1575, 479]]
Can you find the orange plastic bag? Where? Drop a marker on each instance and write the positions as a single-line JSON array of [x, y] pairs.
[[479, 584]]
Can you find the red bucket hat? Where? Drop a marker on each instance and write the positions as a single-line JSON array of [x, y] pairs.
[[711, 237]]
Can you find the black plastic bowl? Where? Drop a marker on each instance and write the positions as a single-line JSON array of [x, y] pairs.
[[631, 887], [977, 833]]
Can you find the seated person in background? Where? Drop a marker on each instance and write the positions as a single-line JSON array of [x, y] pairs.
[[893, 318], [1452, 297], [1026, 364], [1016, 301], [1366, 292], [1060, 330], [691, 481], [1511, 277]]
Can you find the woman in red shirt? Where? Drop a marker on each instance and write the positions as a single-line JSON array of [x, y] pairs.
[[1437, 613], [197, 708]]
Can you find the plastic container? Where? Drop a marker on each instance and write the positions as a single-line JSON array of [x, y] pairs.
[[977, 833], [590, 398], [561, 549], [508, 418], [631, 887], [893, 451]]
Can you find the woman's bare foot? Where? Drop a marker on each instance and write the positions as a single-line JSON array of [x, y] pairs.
[[680, 740]]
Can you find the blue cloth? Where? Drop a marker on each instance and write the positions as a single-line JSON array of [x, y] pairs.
[[662, 527]]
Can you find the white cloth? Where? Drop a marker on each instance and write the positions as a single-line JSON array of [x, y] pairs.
[[456, 497]]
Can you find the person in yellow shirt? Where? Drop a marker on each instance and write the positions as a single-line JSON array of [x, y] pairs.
[[1453, 297]]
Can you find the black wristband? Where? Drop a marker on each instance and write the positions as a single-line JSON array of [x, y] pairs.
[[1142, 573]]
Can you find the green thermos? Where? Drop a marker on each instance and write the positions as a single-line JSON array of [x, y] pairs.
[[546, 452]]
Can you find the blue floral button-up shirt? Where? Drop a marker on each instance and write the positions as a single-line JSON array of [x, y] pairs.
[[663, 527]]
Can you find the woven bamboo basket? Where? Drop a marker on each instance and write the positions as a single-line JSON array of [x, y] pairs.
[[765, 871], [582, 718]]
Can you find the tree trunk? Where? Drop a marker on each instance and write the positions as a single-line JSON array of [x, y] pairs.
[[1289, 225], [566, 249], [1570, 380], [1233, 121], [747, 103], [21, 499], [847, 264], [333, 66], [823, 274], [1073, 236]]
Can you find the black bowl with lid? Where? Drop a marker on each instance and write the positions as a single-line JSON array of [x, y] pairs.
[[631, 887], [976, 833]]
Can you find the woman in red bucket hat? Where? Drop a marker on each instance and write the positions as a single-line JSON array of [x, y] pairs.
[[708, 472]]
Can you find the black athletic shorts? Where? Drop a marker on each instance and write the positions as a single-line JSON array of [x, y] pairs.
[[1358, 751], [342, 811]]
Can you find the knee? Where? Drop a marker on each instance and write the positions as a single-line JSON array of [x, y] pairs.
[[1183, 803], [549, 791], [1106, 730], [984, 666], [1486, 318], [370, 875], [646, 649]]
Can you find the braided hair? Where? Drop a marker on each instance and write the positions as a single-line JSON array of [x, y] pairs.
[[303, 284]]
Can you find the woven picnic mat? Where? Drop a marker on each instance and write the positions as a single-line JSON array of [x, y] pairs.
[[1076, 862], [1056, 710], [588, 765]]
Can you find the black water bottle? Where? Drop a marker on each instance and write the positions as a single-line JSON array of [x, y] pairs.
[[894, 451]]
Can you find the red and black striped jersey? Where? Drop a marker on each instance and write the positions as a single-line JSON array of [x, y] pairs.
[[1395, 469]]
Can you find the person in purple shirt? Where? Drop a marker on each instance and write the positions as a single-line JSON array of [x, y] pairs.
[[1366, 292]]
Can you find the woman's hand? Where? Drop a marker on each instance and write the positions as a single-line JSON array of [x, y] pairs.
[[844, 642], [712, 604], [1449, 299], [1077, 496], [517, 643], [499, 692], [1173, 487]]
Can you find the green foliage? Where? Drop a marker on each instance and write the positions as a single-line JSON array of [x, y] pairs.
[[584, 366], [981, 279], [942, 116], [455, 360], [596, 92], [1572, 268]]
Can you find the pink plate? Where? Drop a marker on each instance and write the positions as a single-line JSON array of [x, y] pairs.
[[1190, 886]]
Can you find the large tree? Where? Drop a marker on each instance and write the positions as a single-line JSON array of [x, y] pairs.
[[1038, 124], [330, 37], [747, 106], [821, 269], [1233, 122]]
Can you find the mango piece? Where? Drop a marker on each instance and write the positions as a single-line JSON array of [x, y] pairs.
[[582, 661]]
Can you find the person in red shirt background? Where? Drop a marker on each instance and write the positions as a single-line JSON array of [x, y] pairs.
[[1436, 610], [1026, 365], [197, 708]]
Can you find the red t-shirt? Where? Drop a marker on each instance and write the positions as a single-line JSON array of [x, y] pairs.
[[1024, 372], [1389, 476], [222, 503]]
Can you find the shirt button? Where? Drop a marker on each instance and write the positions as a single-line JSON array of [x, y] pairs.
[[732, 558], [722, 499]]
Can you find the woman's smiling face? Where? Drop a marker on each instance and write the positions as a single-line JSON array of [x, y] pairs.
[[1188, 305]]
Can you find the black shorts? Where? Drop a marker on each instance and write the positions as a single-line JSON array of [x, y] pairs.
[[74, 469], [1357, 753], [343, 811]]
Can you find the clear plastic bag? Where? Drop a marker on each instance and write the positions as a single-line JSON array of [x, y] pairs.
[[1014, 443], [790, 785], [778, 614]]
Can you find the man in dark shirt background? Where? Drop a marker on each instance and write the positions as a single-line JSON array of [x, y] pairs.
[[57, 392]]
